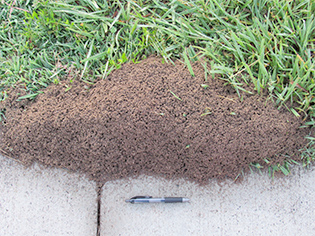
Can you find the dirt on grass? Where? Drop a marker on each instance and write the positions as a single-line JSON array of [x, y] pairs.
[[150, 118]]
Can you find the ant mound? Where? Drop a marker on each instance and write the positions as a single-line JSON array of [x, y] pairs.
[[150, 118]]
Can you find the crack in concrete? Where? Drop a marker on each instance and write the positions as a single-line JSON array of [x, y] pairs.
[[99, 195]]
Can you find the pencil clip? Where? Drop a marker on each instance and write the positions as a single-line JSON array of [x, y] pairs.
[[137, 197]]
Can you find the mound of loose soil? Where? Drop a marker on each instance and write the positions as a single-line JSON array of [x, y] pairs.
[[150, 118]]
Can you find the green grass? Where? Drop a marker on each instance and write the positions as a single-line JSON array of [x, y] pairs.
[[267, 44]]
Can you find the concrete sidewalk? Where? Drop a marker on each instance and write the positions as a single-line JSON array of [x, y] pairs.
[[35, 201], [257, 206]]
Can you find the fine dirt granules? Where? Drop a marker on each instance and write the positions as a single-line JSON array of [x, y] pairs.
[[150, 118]]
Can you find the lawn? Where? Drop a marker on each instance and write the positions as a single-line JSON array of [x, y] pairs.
[[269, 45]]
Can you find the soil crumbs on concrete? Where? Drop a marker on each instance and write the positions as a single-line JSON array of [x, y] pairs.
[[150, 118]]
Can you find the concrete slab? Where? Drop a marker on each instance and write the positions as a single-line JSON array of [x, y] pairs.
[[257, 206], [36, 201]]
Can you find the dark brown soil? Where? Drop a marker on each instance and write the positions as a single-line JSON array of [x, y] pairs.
[[132, 123]]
